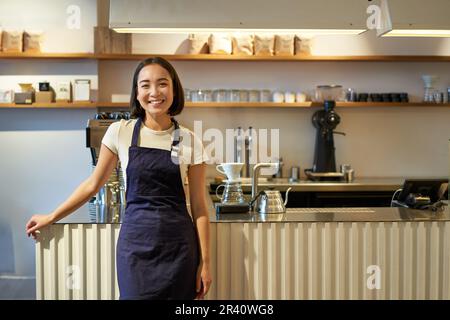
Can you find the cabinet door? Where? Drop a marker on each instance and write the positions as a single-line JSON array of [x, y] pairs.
[[330, 199], [351, 199]]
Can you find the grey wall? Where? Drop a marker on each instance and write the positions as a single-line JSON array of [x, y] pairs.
[[43, 154]]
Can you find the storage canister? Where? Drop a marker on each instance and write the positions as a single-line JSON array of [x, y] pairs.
[[266, 96], [253, 96]]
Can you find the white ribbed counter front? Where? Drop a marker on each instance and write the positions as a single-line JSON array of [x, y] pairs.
[[77, 261], [332, 260], [384, 253]]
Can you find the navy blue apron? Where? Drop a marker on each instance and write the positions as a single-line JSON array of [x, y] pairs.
[[157, 250]]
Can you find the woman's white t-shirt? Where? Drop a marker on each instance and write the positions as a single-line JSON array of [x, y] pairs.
[[118, 139]]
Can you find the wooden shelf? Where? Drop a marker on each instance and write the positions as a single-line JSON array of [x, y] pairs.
[[54, 105], [385, 104], [43, 55], [222, 105], [113, 104], [247, 105], [215, 57], [309, 104]]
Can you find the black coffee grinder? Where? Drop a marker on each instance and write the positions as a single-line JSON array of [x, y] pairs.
[[324, 167]]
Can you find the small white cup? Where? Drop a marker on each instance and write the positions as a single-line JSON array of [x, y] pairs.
[[278, 96], [301, 97], [289, 97]]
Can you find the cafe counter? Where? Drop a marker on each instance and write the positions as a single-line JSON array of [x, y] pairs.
[[305, 253]]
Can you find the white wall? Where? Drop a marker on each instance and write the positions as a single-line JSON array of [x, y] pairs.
[[51, 17], [43, 153]]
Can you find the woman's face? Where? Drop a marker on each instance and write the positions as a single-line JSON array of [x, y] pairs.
[[155, 89]]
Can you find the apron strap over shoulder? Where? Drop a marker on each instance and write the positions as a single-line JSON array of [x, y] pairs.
[[175, 146], [136, 130]]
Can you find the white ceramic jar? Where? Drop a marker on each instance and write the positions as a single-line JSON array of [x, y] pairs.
[[278, 96], [300, 97], [289, 97]]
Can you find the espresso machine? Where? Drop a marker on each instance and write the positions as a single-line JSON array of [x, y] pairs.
[[324, 167], [108, 205]]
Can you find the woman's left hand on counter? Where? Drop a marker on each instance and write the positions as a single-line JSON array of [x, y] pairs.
[[203, 282], [37, 222]]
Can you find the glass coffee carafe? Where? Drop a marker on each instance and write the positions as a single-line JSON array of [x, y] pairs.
[[232, 193]]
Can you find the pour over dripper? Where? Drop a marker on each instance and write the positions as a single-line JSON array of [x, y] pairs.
[[231, 169]]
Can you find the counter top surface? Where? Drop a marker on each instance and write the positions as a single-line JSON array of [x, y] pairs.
[[359, 184], [385, 214], [338, 215], [83, 215]]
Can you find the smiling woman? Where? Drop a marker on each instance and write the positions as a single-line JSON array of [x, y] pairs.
[[155, 95], [162, 252], [157, 250], [156, 89]]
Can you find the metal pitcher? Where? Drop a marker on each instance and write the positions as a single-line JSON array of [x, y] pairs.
[[270, 201], [108, 206]]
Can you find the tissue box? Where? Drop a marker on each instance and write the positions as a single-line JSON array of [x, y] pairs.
[[44, 97], [82, 90]]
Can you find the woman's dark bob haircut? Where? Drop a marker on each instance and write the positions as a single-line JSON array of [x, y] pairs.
[[178, 94]]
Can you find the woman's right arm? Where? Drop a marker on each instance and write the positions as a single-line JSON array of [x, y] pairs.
[[107, 161]]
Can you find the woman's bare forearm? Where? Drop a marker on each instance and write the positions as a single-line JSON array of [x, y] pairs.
[[197, 192], [202, 224], [85, 191], [107, 161]]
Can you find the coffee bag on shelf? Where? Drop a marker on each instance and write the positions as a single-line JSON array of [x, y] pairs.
[[12, 41], [284, 45], [242, 44], [198, 43], [264, 44], [302, 46], [32, 41], [220, 43]]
